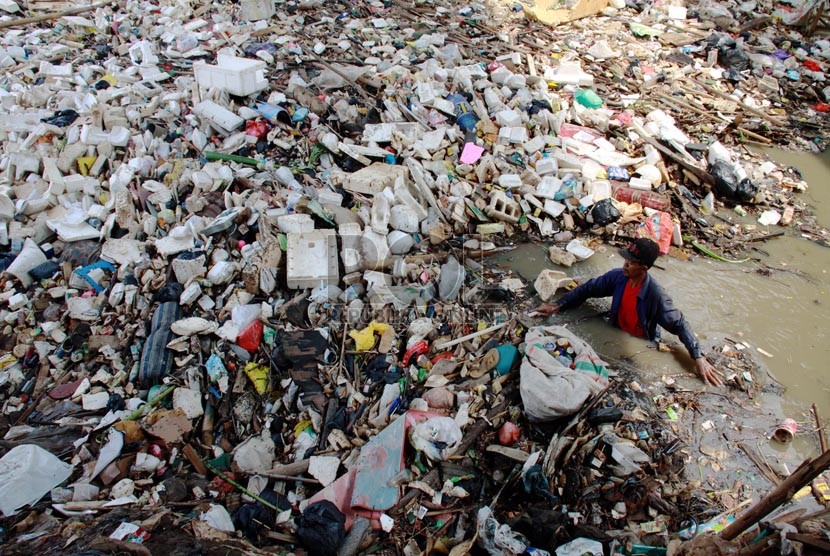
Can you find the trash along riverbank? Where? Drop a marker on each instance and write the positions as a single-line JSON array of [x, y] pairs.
[[249, 296]]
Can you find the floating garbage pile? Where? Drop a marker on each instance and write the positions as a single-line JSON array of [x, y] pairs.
[[245, 292]]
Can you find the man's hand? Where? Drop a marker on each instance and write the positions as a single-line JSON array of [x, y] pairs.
[[708, 373], [546, 309]]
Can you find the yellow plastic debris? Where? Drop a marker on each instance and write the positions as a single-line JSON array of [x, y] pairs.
[[258, 375], [85, 163], [365, 339]]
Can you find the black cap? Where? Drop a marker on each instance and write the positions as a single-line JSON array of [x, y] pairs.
[[641, 250]]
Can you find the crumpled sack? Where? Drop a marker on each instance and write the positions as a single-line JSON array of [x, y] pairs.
[[365, 339], [551, 390], [658, 227]]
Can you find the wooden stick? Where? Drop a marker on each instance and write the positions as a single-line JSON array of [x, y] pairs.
[[743, 105], [822, 440], [462, 339], [55, 15], [805, 473]]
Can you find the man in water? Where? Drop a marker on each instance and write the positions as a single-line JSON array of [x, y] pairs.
[[638, 303]]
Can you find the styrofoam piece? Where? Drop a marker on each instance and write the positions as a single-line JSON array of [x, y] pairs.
[[373, 248], [189, 401], [554, 208], [547, 188], [545, 166], [379, 214], [399, 242], [295, 223], [235, 75], [374, 179], [510, 180], [312, 259], [190, 294], [18, 301], [218, 116], [374, 279], [222, 272], [569, 73], [549, 281], [257, 10], [599, 190], [350, 235], [142, 55], [403, 218]]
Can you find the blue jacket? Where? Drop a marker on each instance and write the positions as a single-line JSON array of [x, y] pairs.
[[654, 306]]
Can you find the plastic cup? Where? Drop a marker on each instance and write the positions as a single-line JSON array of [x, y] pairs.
[[785, 432]]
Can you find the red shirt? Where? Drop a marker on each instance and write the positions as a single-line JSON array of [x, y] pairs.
[[627, 318]]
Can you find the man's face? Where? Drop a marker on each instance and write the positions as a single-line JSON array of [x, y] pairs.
[[633, 270]]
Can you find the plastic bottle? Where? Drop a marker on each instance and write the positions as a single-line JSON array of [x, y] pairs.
[[464, 115], [649, 199]]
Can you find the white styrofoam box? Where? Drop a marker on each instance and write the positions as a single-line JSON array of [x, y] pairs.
[[218, 116], [548, 187], [312, 259], [546, 166], [237, 76], [257, 10], [554, 208]]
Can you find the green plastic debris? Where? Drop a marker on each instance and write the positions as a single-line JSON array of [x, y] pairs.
[[211, 155], [641, 30]]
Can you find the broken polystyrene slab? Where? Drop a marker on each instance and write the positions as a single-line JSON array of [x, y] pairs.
[[220, 118], [295, 223], [549, 281], [374, 178], [27, 473], [324, 468], [123, 251], [29, 257], [178, 240], [189, 401], [569, 73]]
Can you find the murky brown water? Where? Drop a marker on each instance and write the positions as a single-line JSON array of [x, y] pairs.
[[784, 314]]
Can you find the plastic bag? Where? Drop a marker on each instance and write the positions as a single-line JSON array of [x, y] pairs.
[[437, 437], [322, 528], [496, 538], [659, 228], [604, 212], [728, 185], [551, 390], [250, 338], [27, 473]]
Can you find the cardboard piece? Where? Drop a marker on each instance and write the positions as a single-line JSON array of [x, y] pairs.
[[551, 12]]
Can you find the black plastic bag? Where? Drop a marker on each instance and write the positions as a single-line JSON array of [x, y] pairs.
[[61, 118], [604, 212], [731, 57], [253, 518], [322, 528], [728, 185]]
